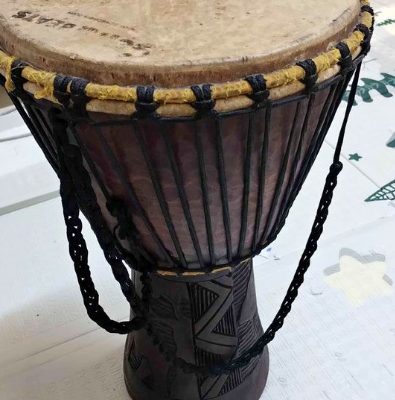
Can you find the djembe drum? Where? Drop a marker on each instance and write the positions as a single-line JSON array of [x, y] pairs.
[[182, 180]]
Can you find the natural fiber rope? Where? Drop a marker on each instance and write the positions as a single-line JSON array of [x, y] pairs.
[[185, 95], [6, 65]]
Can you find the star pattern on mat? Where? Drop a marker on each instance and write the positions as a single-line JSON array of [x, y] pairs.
[[355, 157], [360, 278]]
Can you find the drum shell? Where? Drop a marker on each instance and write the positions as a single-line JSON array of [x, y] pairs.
[[273, 171], [261, 183]]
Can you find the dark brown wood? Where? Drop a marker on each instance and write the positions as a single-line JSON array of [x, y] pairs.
[[128, 152], [204, 321]]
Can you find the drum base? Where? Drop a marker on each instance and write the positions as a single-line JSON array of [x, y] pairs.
[[251, 389], [205, 320]]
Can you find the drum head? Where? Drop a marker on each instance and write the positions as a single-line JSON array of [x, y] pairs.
[[173, 42]]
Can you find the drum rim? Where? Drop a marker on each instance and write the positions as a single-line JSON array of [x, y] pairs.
[[172, 102]]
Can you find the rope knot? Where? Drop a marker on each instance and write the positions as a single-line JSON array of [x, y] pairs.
[[336, 167], [260, 93], [346, 57], [368, 9], [204, 102], [15, 81], [145, 104], [311, 73], [367, 36], [71, 93], [60, 85]]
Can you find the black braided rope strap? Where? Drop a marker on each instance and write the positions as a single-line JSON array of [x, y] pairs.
[[70, 155], [304, 263]]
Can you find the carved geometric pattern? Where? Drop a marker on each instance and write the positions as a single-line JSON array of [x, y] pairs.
[[215, 330], [163, 307], [227, 325], [210, 388], [234, 380], [203, 299], [241, 277], [248, 334], [215, 298], [204, 357], [134, 358]]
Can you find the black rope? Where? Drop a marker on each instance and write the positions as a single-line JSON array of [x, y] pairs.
[[322, 213], [204, 103], [159, 193], [367, 33], [247, 185], [75, 102], [32, 123], [311, 76], [283, 170], [60, 84], [132, 259], [311, 247], [262, 177], [333, 100], [368, 9], [223, 188], [293, 167], [205, 193], [293, 189], [132, 194], [70, 156], [346, 57], [177, 176], [18, 80], [145, 104], [260, 92], [364, 29], [46, 131]]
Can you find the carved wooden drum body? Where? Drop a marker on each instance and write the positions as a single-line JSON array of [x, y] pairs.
[[184, 131]]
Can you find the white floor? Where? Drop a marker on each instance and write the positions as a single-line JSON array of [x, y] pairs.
[[339, 341]]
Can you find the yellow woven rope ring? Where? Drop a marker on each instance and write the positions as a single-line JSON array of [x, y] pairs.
[[41, 78], [185, 95], [200, 273], [191, 273], [6, 65]]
